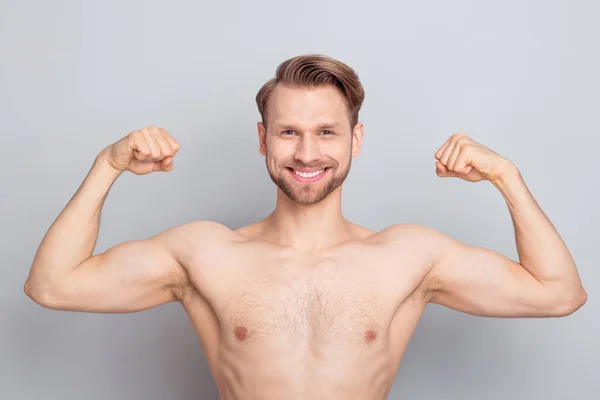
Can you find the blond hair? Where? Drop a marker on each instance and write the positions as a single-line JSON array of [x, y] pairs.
[[314, 70]]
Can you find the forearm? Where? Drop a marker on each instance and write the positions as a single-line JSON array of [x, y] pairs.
[[71, 239], [541, 250]]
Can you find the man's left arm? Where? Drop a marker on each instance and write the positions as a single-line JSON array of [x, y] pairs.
[[478, 281]]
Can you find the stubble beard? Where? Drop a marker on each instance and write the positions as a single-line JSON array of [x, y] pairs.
[[308, 193]]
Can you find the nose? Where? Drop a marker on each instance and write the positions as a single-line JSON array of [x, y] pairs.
[[307, 150]]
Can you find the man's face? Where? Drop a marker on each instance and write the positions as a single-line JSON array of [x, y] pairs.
[[309, 144]]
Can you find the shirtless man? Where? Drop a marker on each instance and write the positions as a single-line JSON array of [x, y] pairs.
[[304, 304]]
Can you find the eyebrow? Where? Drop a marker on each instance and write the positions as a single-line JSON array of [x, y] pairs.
[[327, 125]]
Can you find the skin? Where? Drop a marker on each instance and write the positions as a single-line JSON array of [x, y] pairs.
[[304, 303]]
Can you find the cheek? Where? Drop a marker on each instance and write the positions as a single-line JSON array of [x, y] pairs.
[[280, 155], [275, 161], [342, 153]]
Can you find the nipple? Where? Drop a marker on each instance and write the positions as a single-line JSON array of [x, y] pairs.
[[370, 336], [241, 333]]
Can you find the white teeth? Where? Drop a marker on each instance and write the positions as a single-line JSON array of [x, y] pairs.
[[309, 174]]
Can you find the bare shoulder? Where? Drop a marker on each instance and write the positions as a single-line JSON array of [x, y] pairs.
[[188, 239], [426, 242], [202, 230], [417, 245], [409, 234], [192, 245], [187, 242]]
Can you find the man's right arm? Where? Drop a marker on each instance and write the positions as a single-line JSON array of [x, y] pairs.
[[128, 277]]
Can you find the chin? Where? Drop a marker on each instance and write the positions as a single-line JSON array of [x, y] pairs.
[[304, 196], [308, 193], [308, 199]]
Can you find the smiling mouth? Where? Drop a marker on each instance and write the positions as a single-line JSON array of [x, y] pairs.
[[309, 174], [312, 176]]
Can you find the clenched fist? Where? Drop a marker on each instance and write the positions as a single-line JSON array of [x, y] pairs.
[[464, 158], [143, 151]]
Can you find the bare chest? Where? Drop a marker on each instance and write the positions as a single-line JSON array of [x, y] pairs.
[[318, 301], [304, 310]]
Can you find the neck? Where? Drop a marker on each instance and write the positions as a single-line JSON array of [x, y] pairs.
[[307, 227]]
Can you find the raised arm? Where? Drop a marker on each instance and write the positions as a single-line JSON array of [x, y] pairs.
[[543, 283], [128, 277], [482, 282]]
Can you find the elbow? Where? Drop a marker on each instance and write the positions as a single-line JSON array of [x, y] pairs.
[[39, 293], [570, 301]]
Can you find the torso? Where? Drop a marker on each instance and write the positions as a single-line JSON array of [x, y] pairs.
[[275, 323]]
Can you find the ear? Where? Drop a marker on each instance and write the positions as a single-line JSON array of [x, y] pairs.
[[357, 138], [262, 139]]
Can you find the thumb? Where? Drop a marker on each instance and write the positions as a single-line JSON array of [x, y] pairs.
[[442, 171], [164, 165]]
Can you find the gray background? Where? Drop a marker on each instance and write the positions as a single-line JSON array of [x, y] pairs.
[[518, 76]]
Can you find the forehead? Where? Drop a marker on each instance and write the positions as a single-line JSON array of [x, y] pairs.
[[307, 105]]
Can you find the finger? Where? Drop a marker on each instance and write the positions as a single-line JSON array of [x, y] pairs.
[[164, 165], [441, 150], [446, 153], [462, 163], [466, 170], [454, 156], [442, 171], [171, 140], [141, 148], [165, 147], [155, 149]]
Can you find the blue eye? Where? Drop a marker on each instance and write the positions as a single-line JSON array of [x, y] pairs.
[[290, 132]]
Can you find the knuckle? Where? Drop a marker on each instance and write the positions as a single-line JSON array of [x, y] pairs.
[[463, 141], [140, 140], [136, 137], [135, 134]]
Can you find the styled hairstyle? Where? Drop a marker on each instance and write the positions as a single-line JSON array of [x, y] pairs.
[[314, 70]]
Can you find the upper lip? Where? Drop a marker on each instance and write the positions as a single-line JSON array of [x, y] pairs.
[[308, 169]]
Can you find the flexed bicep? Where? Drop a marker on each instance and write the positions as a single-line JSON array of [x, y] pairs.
[[131, 276], [483, 282]]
